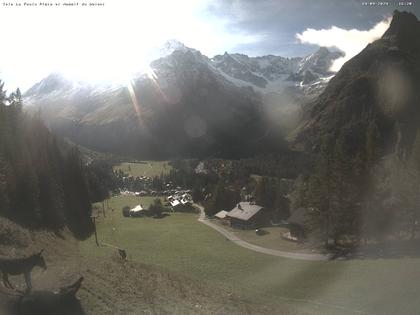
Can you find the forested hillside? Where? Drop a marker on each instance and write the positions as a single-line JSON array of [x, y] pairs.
[[42, 184], [364, 129]]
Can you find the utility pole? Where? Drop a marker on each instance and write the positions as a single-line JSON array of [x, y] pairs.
[[94, 229]]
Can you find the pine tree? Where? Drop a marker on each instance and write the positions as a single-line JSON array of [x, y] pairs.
[[222, 198], [4, 199], [317, 197], [281, 204], [77, 204], [371, 148], [41, 185]]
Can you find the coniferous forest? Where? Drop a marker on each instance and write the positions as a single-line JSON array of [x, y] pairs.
[[43, 183]]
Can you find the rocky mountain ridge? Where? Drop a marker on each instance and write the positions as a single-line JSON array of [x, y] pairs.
[[377, 90], [230, 105]]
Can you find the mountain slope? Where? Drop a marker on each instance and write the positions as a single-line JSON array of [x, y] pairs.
[[260, 71], [188, 105], [380, 86]]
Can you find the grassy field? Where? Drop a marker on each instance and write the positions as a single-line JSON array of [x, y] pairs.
[[273, 239], [144, 168], [182, 245], [117, 203]]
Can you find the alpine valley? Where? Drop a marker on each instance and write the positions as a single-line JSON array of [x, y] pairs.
[[188, 105]]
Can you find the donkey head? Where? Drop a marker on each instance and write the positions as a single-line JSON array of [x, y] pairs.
[[39, 260], [67, 294], [52, 303]]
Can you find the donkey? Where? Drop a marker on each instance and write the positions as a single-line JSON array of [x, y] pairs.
[[63, 302], [17, 266]]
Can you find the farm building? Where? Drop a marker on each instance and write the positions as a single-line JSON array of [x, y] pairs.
[[221, 214], [222, 217], [247, 215]]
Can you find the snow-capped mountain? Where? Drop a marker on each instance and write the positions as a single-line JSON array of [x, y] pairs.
[[264, 74], [200, 105], [170, 46], [261, 71]]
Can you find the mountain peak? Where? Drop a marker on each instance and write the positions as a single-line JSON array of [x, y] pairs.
[[402, 23], [173, 44], [404, 32], [322, 51], [378, 85], [55, 81]]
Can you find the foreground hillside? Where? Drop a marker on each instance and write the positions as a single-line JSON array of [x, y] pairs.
[[113, 286], [177, 265]]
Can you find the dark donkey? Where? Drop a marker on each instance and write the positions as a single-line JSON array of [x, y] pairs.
[[17, 266], [63, 302]]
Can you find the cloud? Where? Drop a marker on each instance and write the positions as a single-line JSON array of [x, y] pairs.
[[351, 42]]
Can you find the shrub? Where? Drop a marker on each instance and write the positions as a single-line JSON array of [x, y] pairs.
[[13, 234], [126, 211], [156, 208]]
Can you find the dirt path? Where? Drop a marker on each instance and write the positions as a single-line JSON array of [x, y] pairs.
[[256, 248]]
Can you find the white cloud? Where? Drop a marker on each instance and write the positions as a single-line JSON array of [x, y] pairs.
[[351, 42]]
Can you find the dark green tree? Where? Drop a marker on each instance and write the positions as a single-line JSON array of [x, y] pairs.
[[223, 198]]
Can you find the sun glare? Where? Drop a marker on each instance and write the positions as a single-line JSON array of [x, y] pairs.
[[119, 42]]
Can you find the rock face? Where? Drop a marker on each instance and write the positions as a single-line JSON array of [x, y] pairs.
[[188, 106], [380, 86], [260, 71]]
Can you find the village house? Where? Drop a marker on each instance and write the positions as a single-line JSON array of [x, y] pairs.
[[179, 200], [247, 215]]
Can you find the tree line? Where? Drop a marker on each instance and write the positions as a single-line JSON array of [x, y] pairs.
[[364, 197], [44, 183]]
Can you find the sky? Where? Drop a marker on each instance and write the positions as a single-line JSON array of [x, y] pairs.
[[118, 38]]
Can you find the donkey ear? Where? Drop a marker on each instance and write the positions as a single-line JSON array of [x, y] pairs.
[[40, 253]]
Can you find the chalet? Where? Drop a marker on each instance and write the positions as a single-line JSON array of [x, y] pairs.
[[177, 199], [174, 203], [185, 199], [247, 215]]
